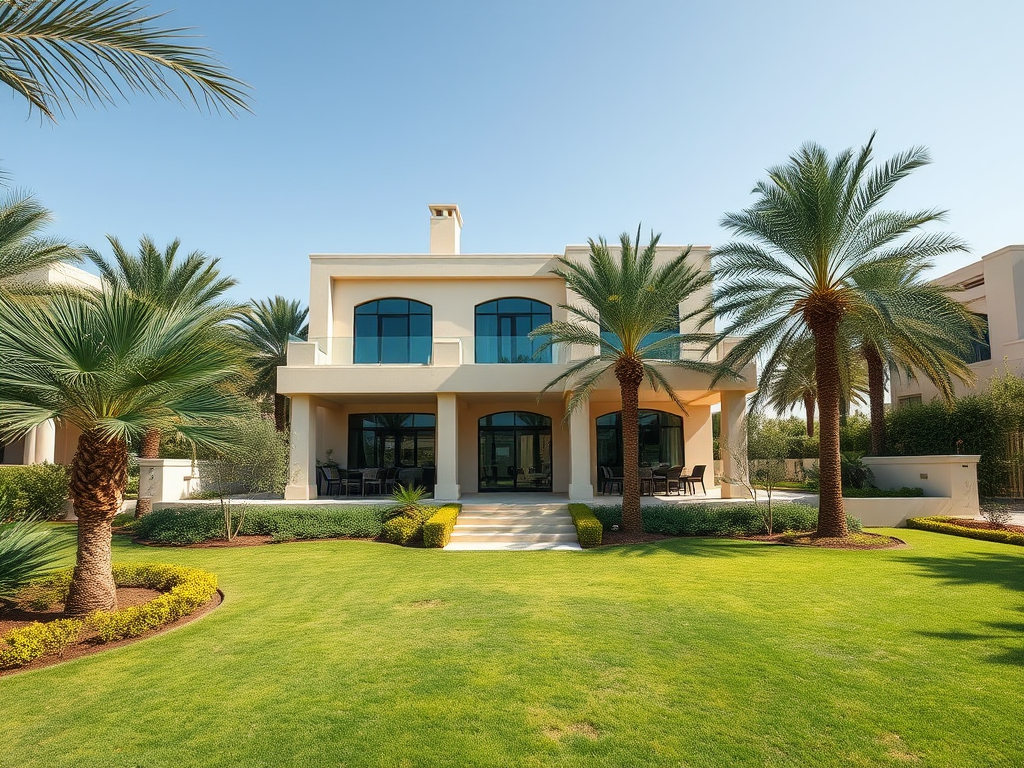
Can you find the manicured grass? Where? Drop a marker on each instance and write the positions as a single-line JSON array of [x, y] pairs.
[[689, 652]]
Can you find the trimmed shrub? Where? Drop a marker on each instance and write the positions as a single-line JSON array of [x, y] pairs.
[[401, 530], [882, 493], [718, 519], [949, 525], [38, 490], [437, 531], [26, 644], [588, 527]]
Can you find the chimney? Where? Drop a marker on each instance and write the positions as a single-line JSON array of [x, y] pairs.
[[445, 229]]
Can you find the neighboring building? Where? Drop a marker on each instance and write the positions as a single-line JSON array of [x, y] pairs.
[[993, 288], [423, 361], [49, 443]]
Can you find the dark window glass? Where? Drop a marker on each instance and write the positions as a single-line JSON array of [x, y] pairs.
[[515, 452], [393, 331], [384, 440], [503, 330], [981, 346], [661, 439]]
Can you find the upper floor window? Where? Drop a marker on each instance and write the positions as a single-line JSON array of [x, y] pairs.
[[668, 352], [503, 329], [393, 331], [980, 345]]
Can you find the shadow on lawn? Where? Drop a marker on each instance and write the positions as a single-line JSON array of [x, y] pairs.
[[688, 546], [1002, 570]]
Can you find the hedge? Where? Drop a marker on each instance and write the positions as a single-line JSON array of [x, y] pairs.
[[437, 531], [719, 519], [948, 525], [198, 523], [882, 493], [37, 490], [588, 527], [185, 590]]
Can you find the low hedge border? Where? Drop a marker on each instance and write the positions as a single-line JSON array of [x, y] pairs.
[[588, 528], [185, 590], [437, 531], [409, 530], [883, 493], [737, 519], [948, 525]]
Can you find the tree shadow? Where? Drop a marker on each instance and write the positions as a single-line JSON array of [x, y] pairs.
[[688, 546]]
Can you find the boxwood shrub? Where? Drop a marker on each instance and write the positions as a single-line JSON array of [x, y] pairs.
[[26, 644], [588, 527], [38, 490], [949, 525], [437, 531], [882, 493], [718, 519]]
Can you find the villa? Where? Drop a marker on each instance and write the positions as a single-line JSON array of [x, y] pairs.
[[422, 364]]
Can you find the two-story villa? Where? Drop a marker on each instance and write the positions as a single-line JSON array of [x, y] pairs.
[[423, 361]]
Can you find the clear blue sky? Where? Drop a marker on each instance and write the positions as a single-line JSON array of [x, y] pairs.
[[547, 122]]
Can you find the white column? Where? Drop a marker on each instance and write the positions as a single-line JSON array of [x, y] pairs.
[[447, 449], [580, 486], [28, 452], [733, 442], [46, 439], [302, 467]]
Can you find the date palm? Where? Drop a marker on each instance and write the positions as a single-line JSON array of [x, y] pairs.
[[266, 330], [165, 281], [114, 367], [631, 317], [56, 53], [23, 248], [818, 246]]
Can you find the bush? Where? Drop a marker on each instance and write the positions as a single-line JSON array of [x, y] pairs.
[[718, 519], [949, 525], [194, 524], [38, 490], [25, 644], [29, 550], [437, 531], [882, 493], [588, 528], [995, 514]]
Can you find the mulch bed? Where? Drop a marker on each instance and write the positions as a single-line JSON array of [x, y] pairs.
[[238, 541], [984, 525], [16, 617]]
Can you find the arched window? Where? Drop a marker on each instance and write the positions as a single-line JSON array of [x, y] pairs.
[[503, 329], [393, 331], [668, 352], [661, 439]]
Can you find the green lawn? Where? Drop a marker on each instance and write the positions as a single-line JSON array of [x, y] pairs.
[[696, 652]]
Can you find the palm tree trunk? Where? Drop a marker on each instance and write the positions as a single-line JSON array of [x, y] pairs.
[[150, 449], [630, 374], [99, 474], [279, 412], [809, 410], [831, 514], [876, 396]]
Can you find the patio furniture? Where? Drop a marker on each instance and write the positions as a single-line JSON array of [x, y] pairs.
[[372, 482], [352, 482], [646, 481], [609, 481], [697, 476], [330, 478], [668, 479], [390, 479], [409, 477]]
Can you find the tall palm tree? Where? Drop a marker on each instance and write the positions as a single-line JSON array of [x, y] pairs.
[[59, 52], [632, 318], [161, 279], [114, 367], [266, 329], [23, 248], [818, 239], [792, 383]]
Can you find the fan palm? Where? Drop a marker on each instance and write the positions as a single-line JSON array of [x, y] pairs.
[[632, 318], [23, 249], [57, 52], [266, 330], [114, 367], [821, 254], [166, 282]]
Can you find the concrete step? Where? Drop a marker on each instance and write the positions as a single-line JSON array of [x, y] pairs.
[[493, 546], [514, 527], [512, 536], [517, 528]]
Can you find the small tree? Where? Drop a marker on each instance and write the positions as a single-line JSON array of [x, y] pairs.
[[763, 466]]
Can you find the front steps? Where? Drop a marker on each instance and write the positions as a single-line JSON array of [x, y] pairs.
[[514, 527]]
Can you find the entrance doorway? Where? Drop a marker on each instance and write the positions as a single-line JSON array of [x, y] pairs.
[[515, 452]]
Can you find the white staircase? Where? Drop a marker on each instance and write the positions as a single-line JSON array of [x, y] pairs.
[[514, 526]]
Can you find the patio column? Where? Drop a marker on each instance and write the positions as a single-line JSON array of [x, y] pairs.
[[734, 443], [302, 466], [447, 450], [580, 486], [46, 438]]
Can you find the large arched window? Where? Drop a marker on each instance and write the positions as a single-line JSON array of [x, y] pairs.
[[393, 331], [661, 439], [503, 329], [668, 352]]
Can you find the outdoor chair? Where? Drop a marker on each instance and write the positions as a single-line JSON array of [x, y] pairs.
[[408, 478], [390, 479], [668, 479], [646, 481], [331, 479], [352, 482], [697, 476], [372, 483], [609, 481]]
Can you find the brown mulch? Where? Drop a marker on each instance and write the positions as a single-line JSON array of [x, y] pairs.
[[15, 617], [240, 541], [984, 525]]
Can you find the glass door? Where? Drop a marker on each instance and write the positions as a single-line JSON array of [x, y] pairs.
[[497, 460]]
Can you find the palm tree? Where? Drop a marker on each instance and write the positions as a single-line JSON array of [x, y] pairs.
[[114, 367], [632, 317], [158, 278], [23, 249], [58, 52], [793, 384], [267, 329], [818, 241]]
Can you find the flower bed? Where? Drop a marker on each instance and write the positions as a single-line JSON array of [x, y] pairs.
[[955, 527]]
